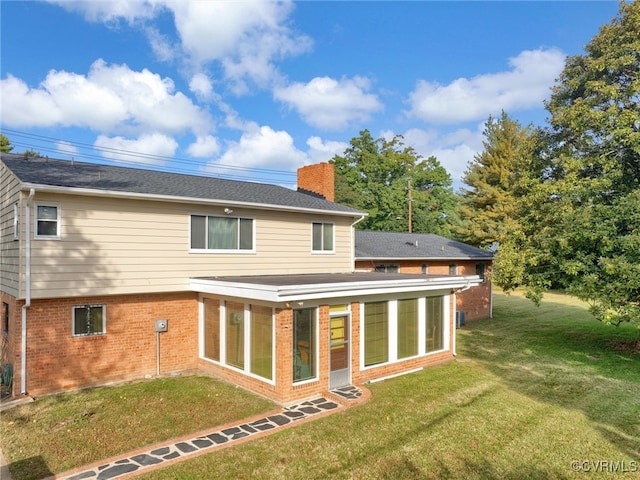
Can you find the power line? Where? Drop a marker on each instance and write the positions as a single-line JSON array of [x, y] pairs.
[[79, 150]]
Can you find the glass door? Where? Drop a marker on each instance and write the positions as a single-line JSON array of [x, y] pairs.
[[339, 374]]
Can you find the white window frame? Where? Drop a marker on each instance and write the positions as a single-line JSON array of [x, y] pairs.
[[392, 325], [246, 320], [324, 251], [316, 325], [234, 251], [94, 334], [57, 221]]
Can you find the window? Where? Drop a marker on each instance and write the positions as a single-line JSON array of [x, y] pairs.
[[481, 270], [387, 268], [322, 237], [304, 344], [221, 233], [435, 324], [376, 333], [212, 329], [235, 334], [47, 221], [407, 327], [425, 269], [5, 318], [16, 222], [89, 320], [261, 341], [453, 269]]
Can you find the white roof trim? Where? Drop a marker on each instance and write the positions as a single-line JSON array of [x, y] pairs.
[[175, 199], [290, 293]]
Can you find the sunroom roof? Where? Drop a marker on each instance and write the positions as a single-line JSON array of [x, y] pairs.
[[313, 286]]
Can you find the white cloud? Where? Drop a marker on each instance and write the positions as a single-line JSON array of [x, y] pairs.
[[201, 86], [262, 148], [111, 11], [524, 86], [323, 151], [330, 104], [454, 150], [204, 147], [109, 99], [245, 37], [66, 148], [150, 149]]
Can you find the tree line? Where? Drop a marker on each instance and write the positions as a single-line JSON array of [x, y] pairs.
[[560, 204]]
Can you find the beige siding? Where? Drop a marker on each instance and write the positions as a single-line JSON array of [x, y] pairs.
[[117, 246], [9, 248]]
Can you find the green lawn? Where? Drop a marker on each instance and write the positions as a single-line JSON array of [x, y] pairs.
[[532, 390]]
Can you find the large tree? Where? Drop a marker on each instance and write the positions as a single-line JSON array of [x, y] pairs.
[[492, 178], [5, 144], [391, 182], [579, 224]]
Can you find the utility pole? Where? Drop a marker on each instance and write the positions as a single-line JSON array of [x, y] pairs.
[[410, 200]]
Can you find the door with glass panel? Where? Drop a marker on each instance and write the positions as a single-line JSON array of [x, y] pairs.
[[339, 372]]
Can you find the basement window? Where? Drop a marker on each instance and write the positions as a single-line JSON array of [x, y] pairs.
[[89, 320]]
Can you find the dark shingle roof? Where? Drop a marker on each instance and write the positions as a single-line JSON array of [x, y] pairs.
[[81, 175], [405, 246]]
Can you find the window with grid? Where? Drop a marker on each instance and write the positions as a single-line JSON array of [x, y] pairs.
[[376, 333], [89, 320]]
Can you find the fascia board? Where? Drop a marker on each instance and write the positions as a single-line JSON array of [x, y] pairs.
[[278, 294], [173, 199]]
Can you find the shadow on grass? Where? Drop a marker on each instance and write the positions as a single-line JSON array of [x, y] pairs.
[[559, 353]]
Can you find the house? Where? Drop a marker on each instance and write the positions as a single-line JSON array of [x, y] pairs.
[[426, 254], [111, 274]]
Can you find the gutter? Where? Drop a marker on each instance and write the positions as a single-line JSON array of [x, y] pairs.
[[27, 301]]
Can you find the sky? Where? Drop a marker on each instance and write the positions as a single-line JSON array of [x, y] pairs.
[[253, 90]]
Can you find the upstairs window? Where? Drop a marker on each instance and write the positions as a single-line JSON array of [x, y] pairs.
[[47, 221], [89, 320], [16, 222], [322, 234], [221, 233], [453, 269]]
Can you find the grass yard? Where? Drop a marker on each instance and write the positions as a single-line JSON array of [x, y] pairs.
[[540, 393]]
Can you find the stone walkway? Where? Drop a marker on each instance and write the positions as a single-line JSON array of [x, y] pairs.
[[160, 455]]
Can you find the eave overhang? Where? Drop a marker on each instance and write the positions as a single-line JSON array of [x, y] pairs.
[[297, 288]]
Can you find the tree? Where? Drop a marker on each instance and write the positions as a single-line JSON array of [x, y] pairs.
[[579, 209], [391, 182], [492, 177], [5, 144]]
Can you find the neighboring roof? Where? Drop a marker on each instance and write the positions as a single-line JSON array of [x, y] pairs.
[[91, 178], [413, 246], [313, 286]]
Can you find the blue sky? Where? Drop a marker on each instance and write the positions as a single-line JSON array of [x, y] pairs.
[[254, 90]]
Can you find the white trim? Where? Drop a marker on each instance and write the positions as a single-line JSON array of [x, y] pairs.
[[291, 293], [174, 199], [58, 234], [16, 221]]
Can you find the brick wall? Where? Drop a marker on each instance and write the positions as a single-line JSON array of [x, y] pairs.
[[58, 361], [318, 178]]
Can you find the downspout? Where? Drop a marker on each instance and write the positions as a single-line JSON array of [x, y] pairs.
[[353, 242], [27, 301], [455, 314]]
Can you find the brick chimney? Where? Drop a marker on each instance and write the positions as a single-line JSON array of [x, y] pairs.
[[317, 179]]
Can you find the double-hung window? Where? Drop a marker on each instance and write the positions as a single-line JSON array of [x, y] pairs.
[[47, 221], [322, 237], [89, 320], [221, 233]]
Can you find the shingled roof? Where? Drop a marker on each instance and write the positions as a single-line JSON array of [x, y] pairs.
[[413, 246], [74, 176]]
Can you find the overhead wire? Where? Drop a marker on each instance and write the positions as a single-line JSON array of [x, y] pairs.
[[101, 154]]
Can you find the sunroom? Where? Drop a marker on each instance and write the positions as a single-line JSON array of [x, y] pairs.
[[290, 337]]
